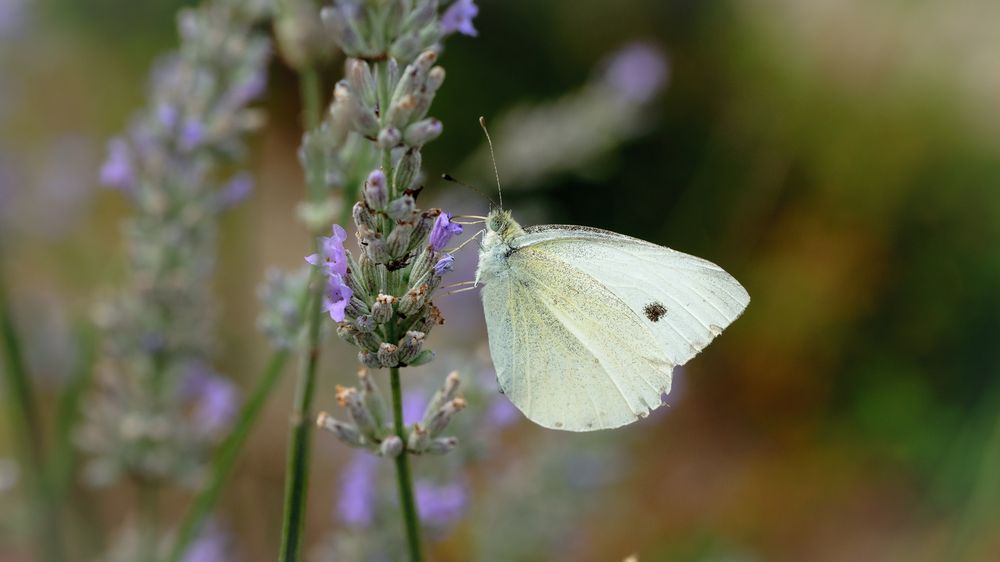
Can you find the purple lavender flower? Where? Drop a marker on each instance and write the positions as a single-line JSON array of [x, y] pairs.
[[444, 265], [235, 191], [215, 399], [192, 133], [442, 231], [216, 406], [167, 115], [458, 17], [213, 545], [337, 296], [356, 502], [637, 72], [440, 506], [117, 169], [247, 90], [333, 257], [414, 403]]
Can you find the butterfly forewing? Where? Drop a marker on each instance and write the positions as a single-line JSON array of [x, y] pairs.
[[684, 301]]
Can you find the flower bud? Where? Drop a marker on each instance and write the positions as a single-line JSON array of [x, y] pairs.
[[410, 346], [442, 445], [405, 47], [431, 317], [423, 358], [412, 301], [400, 111], [441, 418], [365, 323], [401, 208], [360, 77], [418, 439], [388, 355], [422, 132], [382, 309], [443, 395], [356, 307], [421, 266], [369, 359], [373, 245], [389, 137], [435, 78], [348, 332], [349, 398], [363, 215], [391, 447], [407, 170], [423, 227], [376, 191], [399, 239], [344, 431], [372, 396]]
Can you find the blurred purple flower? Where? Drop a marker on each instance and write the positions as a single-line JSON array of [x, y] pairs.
[[167, 115], [501, 413], [337, 296], [249, 89], [356, 501], [12, 16], [332, 257], [458, 17], [235, 191], [117, 169], [444, 265], [414, 404], [637, 72], [192, 133], [216, 400], [440, 506], [442, 231], [213, 545]]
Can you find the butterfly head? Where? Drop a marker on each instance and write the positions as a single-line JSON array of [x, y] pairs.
[[501, 224]]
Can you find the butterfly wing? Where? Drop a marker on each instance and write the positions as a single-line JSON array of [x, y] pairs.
[[587, 325]]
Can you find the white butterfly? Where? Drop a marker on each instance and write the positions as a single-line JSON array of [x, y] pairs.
[[586, 325]]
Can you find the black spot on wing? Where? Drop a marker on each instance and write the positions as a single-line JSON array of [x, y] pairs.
[[654, 311]]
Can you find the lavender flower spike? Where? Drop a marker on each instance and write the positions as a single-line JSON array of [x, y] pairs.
[[442, 231], [333, 258], [458, 17]]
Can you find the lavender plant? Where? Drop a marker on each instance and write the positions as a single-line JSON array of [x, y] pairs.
[[380, 299], [159, 407]]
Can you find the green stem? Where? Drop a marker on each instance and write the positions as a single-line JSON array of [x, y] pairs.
[[410, 518], [226, 456], [149, 513], [297, 472], [27, 433]]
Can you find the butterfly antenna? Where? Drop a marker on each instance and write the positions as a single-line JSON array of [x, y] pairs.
[[493, 157], [452, 179]]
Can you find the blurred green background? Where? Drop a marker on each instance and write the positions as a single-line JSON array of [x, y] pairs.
[[839, 157]]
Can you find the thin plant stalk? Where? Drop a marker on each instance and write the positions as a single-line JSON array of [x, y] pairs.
[[410, 518], [27, 433], [226, 457], [297, 472]]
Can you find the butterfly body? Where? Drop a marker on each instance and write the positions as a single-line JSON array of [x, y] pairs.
[[586, 325]]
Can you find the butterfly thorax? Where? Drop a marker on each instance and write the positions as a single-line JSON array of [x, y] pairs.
[[497, 245]]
